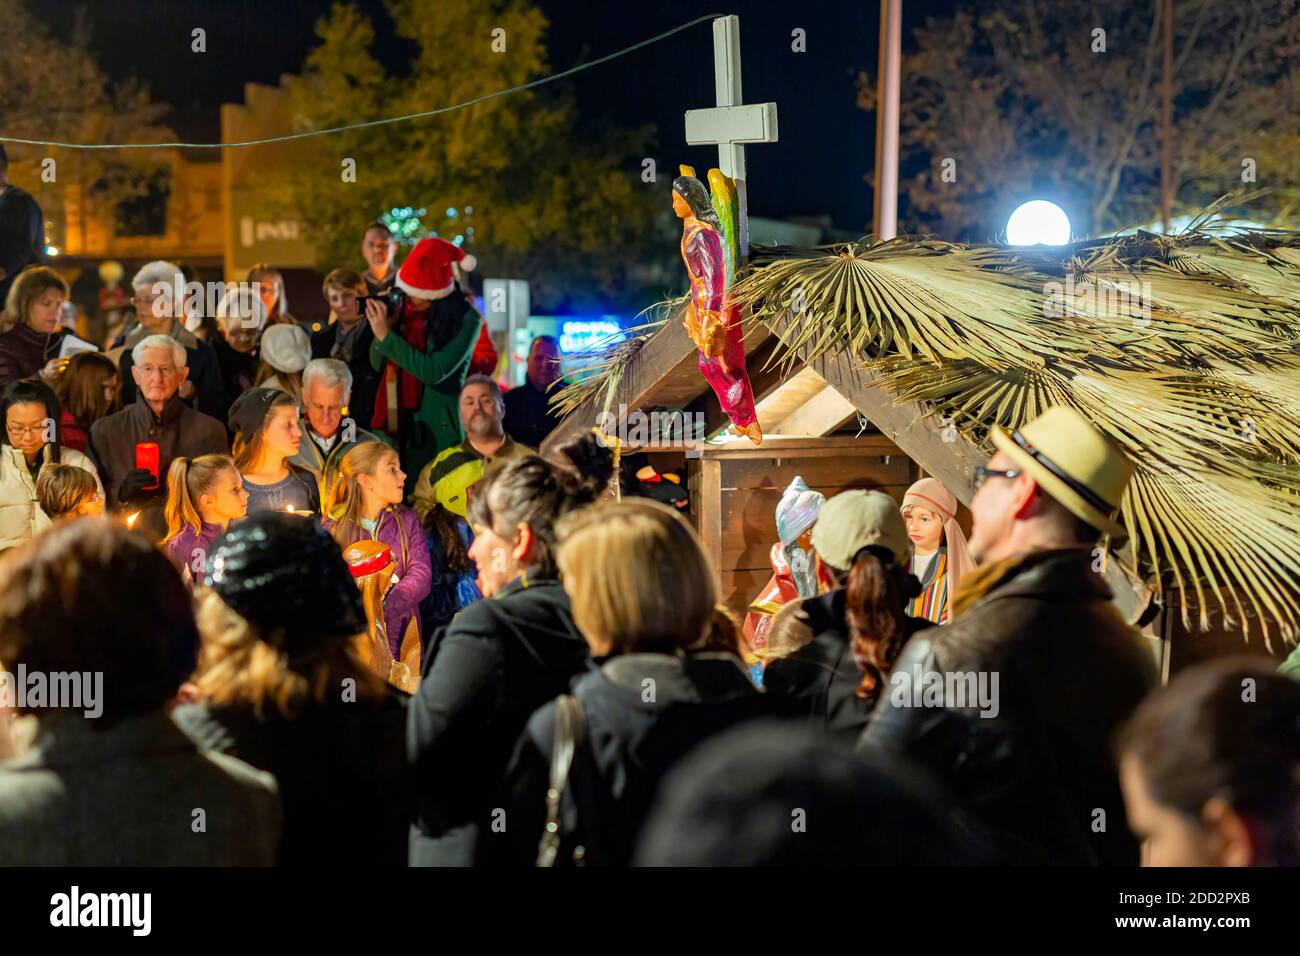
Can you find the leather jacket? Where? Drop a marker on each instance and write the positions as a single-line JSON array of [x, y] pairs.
[[1013, 707]]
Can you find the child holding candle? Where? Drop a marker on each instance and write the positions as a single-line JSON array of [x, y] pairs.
[[267, 435]]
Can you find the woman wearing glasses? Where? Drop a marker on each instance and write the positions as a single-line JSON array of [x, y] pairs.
[[30, 442]]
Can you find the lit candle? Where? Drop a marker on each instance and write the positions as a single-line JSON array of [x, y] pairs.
[[130, 522]]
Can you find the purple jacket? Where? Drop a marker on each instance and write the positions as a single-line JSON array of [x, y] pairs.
[[187, 546], [415, 575]]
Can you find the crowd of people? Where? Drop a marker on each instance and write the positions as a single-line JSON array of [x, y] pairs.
[[343, 611]]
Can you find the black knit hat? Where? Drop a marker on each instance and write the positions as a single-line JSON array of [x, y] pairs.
[[282, 571], [249, 411]]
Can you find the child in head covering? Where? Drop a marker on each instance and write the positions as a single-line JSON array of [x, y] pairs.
[[793, 573], [940, 558]]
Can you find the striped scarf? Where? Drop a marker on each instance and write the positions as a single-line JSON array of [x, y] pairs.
[[932, 603]]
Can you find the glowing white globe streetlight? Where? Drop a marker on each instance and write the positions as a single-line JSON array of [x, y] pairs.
[[1038, 221]]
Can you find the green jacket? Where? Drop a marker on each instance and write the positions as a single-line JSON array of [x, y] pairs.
[[442, 374]]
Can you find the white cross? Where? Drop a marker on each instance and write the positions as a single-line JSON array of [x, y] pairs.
[[730, 124]]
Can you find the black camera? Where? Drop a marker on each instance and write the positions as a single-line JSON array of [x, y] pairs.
[[394, 298]]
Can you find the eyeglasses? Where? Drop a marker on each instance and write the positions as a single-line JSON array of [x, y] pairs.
[[982, 474], [22, 431], [163, 371]]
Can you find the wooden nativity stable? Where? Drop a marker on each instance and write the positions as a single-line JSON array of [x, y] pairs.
[[811, 428], [908, 350]]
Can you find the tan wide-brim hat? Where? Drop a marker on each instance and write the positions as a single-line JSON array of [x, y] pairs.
[[1074, 463]]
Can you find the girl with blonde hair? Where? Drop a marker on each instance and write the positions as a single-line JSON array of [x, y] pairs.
[[366, 504], [204, 495]]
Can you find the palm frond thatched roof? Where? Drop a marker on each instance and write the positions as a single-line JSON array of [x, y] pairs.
[[1185, 350]]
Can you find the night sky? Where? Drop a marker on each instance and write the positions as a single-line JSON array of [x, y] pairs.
[[826, 144]]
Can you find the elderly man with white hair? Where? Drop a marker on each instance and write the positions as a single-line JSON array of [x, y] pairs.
[[157, 416], [159, 297], [330, 434]]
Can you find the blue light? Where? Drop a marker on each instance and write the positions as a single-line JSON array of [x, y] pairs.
[[451, 213], [578, 335]]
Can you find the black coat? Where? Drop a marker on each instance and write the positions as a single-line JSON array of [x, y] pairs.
[[238, 373], [1032, 764], [636, 732], [365, 378], [344, 783], [180, 430], [22, 235], [497, 661], [819, 681]]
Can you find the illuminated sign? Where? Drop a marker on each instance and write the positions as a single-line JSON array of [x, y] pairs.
[[578, 335]]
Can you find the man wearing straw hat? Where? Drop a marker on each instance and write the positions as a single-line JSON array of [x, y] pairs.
[[1014, 703]]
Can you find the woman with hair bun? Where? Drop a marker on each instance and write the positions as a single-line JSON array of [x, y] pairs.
[[500, 658]]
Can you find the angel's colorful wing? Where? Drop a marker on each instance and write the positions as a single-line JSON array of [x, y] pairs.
[[722, 190]]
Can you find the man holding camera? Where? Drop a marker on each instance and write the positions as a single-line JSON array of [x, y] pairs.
[[347, 338]]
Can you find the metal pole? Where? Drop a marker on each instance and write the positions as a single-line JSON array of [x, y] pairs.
[[1167, 117], [885, 224]]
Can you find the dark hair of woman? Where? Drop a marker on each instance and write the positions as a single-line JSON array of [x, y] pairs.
[[1206, 735], [443, 525], [537, 492], [30, 391], [876, 594]]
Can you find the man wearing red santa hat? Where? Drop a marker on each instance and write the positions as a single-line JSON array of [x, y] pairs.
[[424, 357]]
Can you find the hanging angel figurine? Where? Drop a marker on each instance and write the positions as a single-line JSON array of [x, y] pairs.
[[711, 252]]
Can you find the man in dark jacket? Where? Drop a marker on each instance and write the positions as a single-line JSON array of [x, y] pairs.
[[1013, 705], [483, 675], [347, 338], [159, 416], [529, 417], [22, 229]]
